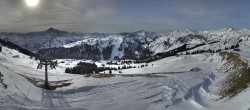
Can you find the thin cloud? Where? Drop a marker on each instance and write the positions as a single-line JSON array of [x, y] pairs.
[[123, 15]]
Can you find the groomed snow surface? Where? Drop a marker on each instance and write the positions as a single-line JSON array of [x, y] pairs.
[[174, 88]]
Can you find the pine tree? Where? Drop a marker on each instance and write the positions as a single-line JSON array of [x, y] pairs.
[[124, 67]]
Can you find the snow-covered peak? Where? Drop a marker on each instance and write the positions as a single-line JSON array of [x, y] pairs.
[[226, 29], [180, 33], [111, 39], [140, 32], [52, 30], [126, 43]]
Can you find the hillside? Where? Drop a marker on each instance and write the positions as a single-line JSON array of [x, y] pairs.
[[183, 82], [127, 45]]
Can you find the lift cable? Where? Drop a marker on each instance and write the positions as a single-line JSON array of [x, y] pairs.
[[62, 89], [26, 96]]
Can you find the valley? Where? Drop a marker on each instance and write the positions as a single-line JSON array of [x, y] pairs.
[[206, 80]]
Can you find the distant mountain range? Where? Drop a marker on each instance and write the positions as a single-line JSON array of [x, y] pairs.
[[127, 45]]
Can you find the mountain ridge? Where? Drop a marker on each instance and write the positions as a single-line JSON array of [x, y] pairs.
[[125, 45]]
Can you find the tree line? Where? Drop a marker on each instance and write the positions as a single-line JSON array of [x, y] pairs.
[[88, 68], [16, 47]]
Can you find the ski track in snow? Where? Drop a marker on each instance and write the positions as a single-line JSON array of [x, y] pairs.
[[182, 89]]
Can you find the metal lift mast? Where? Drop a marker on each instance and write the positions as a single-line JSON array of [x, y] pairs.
[[46, 63]]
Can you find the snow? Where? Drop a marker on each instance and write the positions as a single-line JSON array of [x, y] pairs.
[[110, 40], [170, 64], [156, 43], [176, 88]]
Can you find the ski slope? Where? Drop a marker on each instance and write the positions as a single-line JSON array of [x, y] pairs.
[[174, 87]]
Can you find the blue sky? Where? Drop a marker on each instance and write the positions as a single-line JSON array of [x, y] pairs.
[[111, 16]]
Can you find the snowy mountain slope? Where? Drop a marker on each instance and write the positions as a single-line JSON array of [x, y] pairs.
[[123, 45], [173, 87], [176, 87], [133, 45], [168, 42], [225, 38], [39, 40]]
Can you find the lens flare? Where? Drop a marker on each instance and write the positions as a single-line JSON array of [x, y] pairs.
[[32, 3]]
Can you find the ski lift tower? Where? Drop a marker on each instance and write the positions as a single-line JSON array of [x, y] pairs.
[[46, 63]]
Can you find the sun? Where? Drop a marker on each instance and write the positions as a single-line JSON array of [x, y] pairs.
[[32, 3]]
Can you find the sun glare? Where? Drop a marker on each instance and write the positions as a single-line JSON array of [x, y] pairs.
[[32, 3]]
